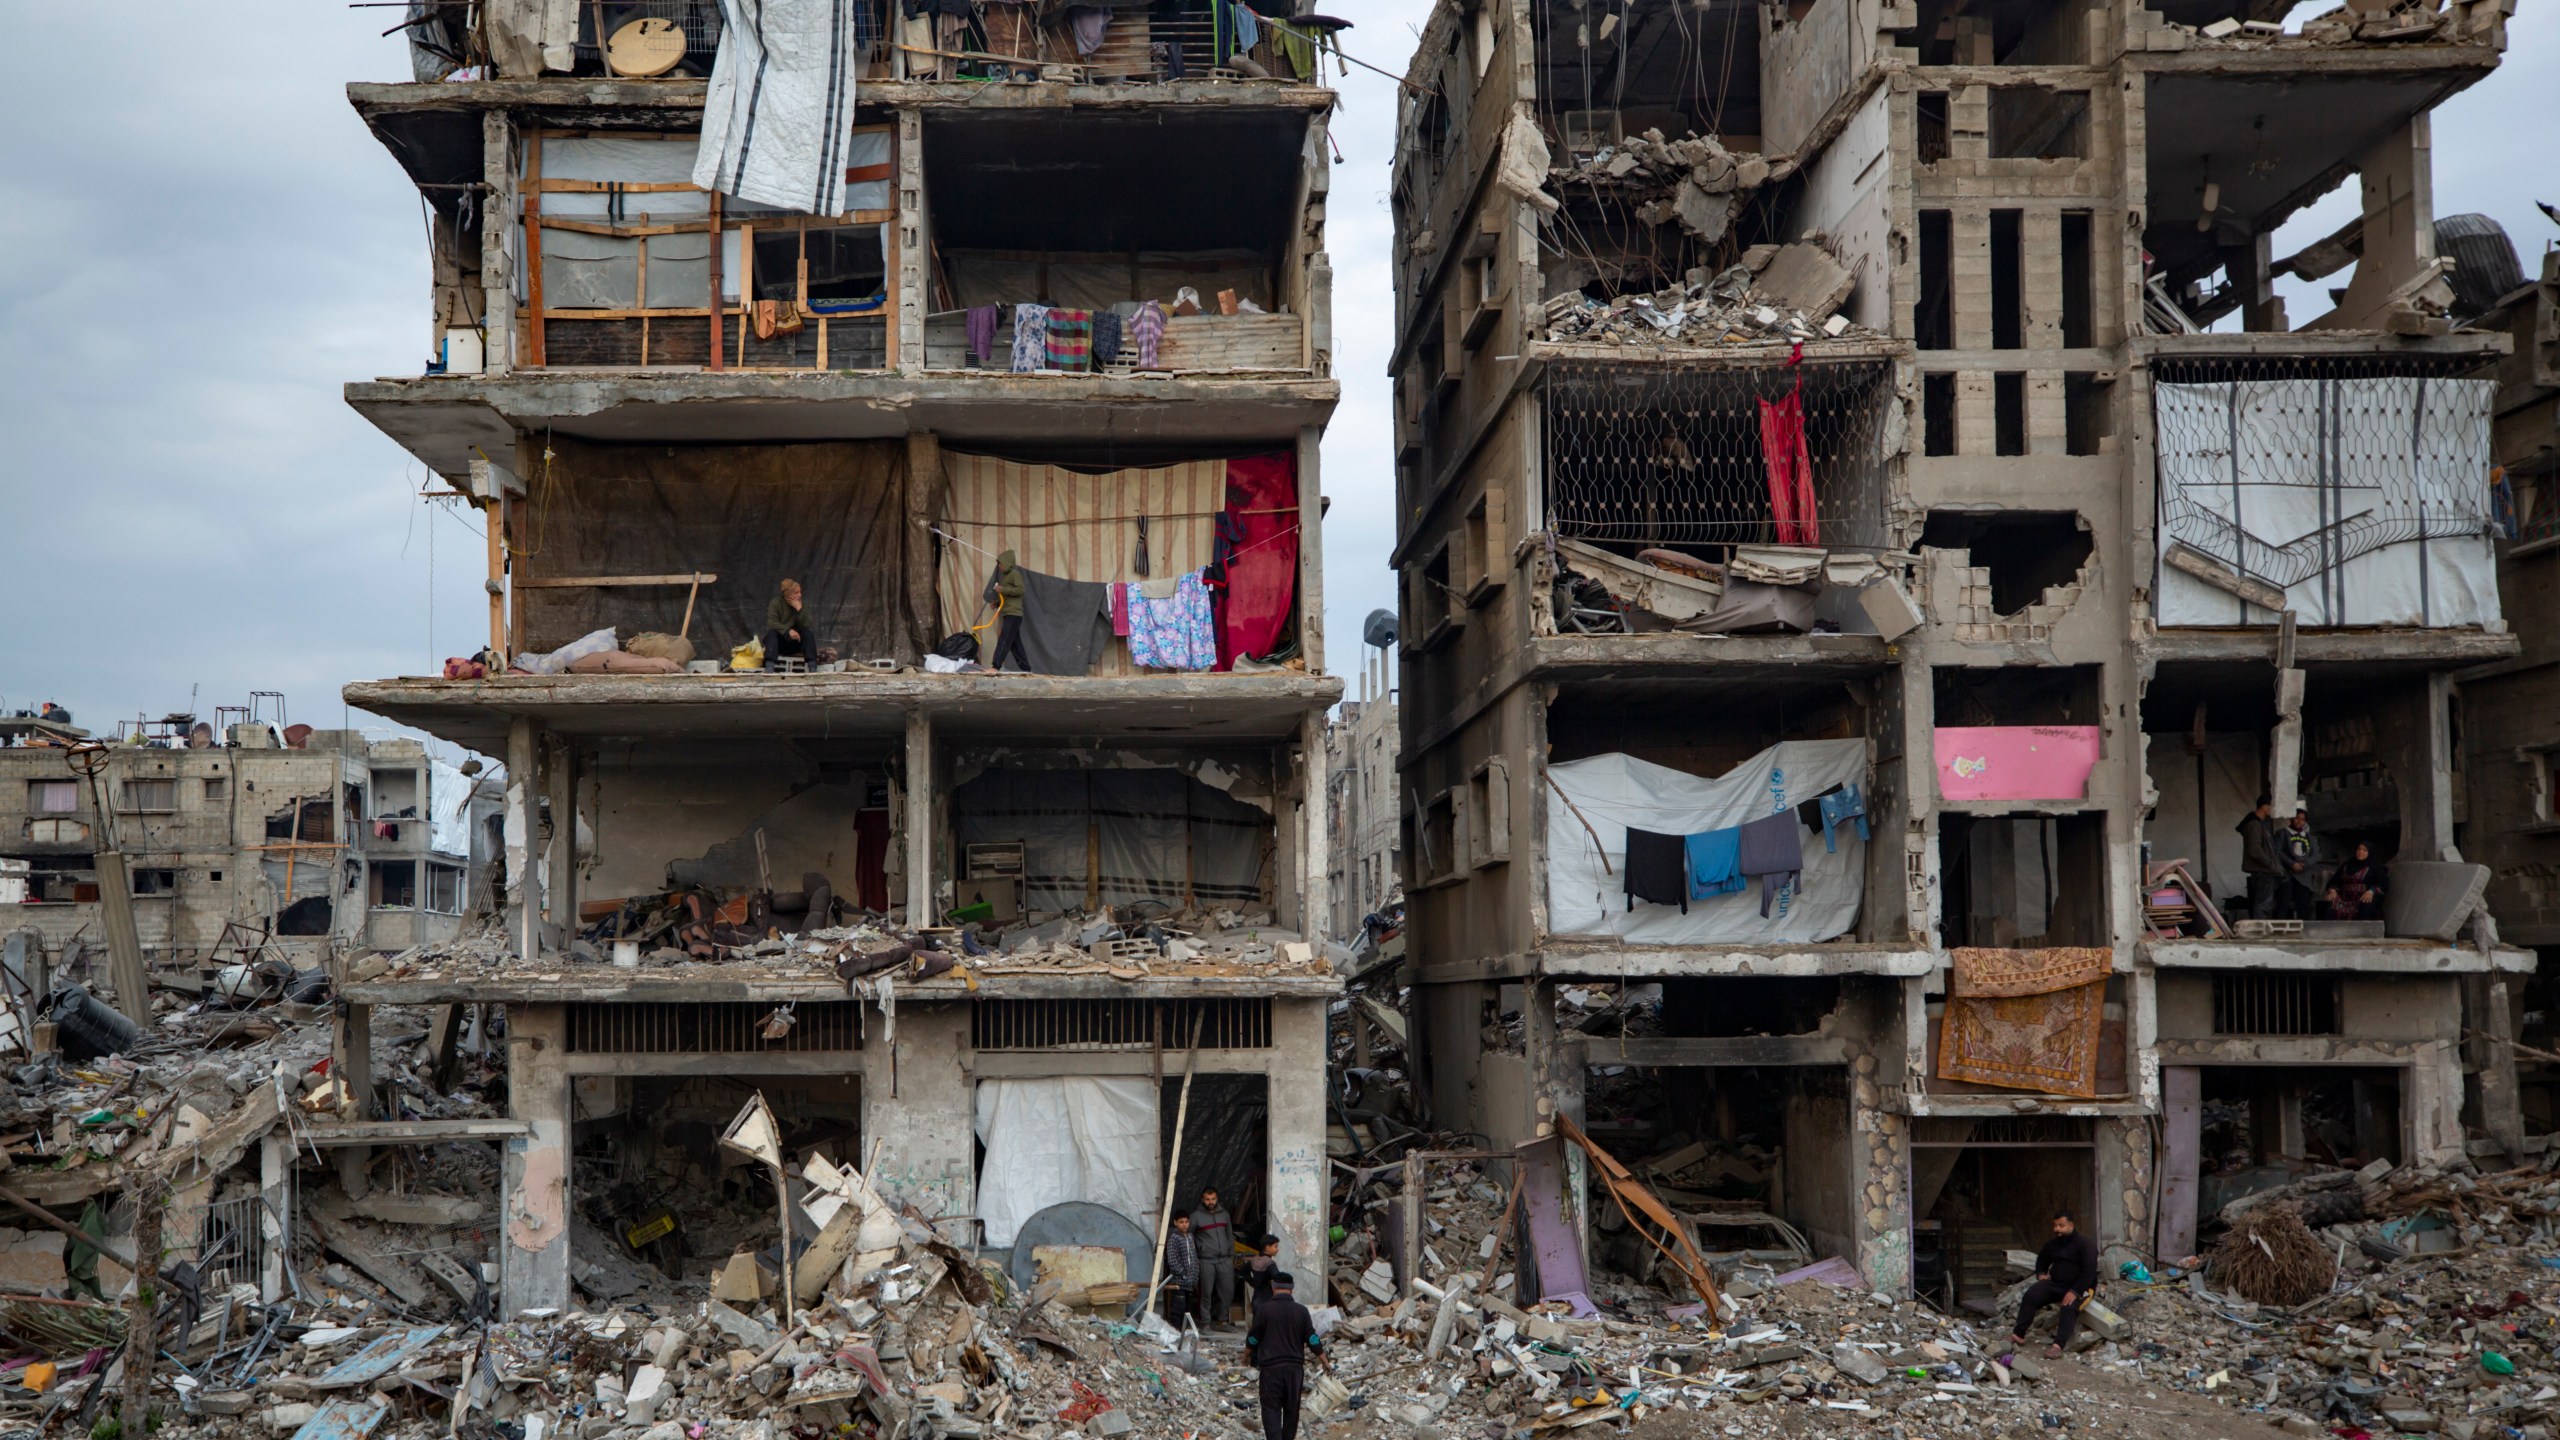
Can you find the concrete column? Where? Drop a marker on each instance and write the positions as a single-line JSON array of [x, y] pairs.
[[1313, 788], [560, 884], [1880, 1144], [907, 302], [919, 1108], [2487, 1008], [2124, 1167], [275, 1188], [921, 792], [924, 499], [524, 886], [497, 235], [2431, 1106], [1311, 542], [2285, 766], [352, 1063], [533, 1267], [1297, 1183]]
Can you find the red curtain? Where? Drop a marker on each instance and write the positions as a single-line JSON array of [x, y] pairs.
[[1790, 468], [1262, 566]]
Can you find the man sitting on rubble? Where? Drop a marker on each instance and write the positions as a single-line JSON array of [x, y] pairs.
[[2065, 1269], [1277, 1342], [1181, 1271]]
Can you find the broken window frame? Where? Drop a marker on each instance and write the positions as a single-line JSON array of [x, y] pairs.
[[728, 322], [147, 795]]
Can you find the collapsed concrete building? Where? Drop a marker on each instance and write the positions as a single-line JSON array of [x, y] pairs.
[[1071, 306], [1882, 415], [235, 838], [1361, 766]]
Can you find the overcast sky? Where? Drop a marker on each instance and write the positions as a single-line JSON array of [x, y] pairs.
[[203, 244]]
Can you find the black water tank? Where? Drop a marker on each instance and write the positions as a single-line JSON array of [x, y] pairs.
[[2485, 268], [1380, 630]]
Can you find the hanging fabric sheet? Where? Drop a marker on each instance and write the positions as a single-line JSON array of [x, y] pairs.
[[1262, 573], [1070, 339], [777, 123], [2025, 1019], [1174, 632], [1030, 337], [1790, 465]]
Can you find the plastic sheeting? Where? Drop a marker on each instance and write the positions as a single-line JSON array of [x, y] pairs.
[[1070, 1138], [777, 124], [2367, 500], [1156, 831], [1615, 791], [830, 514], [449, 794]]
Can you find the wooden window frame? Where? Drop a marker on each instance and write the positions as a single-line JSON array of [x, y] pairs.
[[727, 320]]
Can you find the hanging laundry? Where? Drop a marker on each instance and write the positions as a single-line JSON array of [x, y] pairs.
[[1657, 869], [1089, 25], [1175, 631], [1773, 849], [1065, 623], [1790, 468], [1070, 339], [1147, 328], [1261, 565], [1119, 609], [1844, 806], [1106, 337], [982, 332], [1030, 337], [1714, 863]]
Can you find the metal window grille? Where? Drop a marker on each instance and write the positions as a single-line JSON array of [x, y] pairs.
[[2394, 450], [1670, 453], [1226, 1024], [731, 1028], [234, 1234], [2275, 1003]]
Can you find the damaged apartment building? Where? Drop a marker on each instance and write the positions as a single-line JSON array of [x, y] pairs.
[[230, 837], [1870, 530], [1005, 336]]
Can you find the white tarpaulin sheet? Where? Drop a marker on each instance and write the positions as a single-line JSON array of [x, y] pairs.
[[2367, 501], [1073, 1138], [1614, 792], [777, 125], [448, 809]]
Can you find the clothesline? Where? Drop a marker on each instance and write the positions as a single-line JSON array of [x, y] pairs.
[[1239, 550], [1109, 519]]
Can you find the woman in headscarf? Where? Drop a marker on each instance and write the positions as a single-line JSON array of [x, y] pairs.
[[2355, 891]]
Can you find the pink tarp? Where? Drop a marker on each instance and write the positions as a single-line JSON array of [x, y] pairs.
[[2016, 762]]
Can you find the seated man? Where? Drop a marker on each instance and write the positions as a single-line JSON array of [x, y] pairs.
[[2065, 1269], [787, 628]]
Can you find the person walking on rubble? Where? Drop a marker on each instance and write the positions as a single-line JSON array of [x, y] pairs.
[[2065, 1269], [1181, 1271], [1278, 1341], [1213, 1234], [2260, 860]]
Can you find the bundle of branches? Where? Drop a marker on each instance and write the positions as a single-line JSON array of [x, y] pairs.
[[2271, 1257]]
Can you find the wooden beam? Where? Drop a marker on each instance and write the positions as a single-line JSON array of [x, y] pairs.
[[2188, 560], [330, 1134], [572, 582]]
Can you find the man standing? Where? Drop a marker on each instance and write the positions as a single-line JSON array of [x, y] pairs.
[[1277, 1343], [1213, 1235], [2065, 1269], [1181, 1271], [2259, 860], [2295, 845]]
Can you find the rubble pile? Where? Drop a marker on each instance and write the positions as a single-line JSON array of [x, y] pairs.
[[1694, 180], [2368, 21], [1775, 294]]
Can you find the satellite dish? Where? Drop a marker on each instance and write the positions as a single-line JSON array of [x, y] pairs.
[[645, 47], [1380, 629]]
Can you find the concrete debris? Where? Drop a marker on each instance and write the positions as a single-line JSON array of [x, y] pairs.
[[1694, 179], [2363, 21], [1791, 295]]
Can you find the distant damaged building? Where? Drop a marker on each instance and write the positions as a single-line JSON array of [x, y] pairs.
[[1008, 342], [1870, 533]]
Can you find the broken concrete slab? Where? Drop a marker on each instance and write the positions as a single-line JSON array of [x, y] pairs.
[[1803, 276]]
